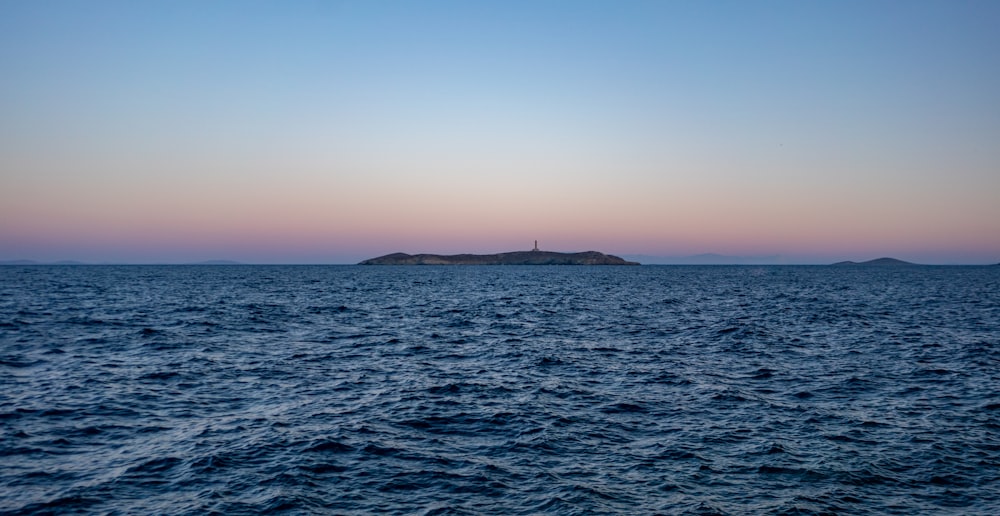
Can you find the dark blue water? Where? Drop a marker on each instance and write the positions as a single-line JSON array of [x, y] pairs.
[[499, 390]]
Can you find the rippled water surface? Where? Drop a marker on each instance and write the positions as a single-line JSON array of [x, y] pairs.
[[468, 390]]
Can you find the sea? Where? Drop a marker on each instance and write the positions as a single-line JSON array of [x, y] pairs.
[[499, 390]]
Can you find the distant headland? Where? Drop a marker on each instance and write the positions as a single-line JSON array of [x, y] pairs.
[[533, 257], [878, 262]]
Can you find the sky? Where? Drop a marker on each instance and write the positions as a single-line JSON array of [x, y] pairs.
[[334, 131]]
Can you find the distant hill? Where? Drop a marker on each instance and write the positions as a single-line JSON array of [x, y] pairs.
[[217, 262], [18, 262], [878, 262], [513, 258], [33, 262]]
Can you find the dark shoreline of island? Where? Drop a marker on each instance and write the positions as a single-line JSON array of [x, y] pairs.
[[511, 258]]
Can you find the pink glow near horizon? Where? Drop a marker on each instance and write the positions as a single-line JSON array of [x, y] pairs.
[[339, 226]]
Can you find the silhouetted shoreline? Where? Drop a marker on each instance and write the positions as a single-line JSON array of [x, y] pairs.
[[512, 258]]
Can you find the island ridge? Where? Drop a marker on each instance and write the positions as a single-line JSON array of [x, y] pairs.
[[533, 257]]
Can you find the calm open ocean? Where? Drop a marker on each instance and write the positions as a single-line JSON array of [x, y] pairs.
[[499, 390]]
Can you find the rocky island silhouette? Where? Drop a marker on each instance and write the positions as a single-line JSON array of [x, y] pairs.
[[532, 257]]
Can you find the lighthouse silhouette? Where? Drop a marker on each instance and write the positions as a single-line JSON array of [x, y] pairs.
[[536, 246]]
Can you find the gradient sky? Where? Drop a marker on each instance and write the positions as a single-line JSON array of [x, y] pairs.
[[329, 132]]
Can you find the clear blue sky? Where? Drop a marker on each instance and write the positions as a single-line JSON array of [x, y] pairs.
[[328, 132]]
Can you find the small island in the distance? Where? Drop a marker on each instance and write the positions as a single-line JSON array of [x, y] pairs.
[[533, 257], [878, 262]]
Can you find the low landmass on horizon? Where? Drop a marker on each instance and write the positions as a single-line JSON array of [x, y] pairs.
[[534, 257], [878, 262]]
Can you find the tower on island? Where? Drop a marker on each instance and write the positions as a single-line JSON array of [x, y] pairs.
[[536, 246]]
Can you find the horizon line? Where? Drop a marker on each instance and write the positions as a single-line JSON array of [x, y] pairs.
[[675, 261]]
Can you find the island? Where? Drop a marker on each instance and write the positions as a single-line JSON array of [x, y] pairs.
[[878, 262], [534, 257]]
